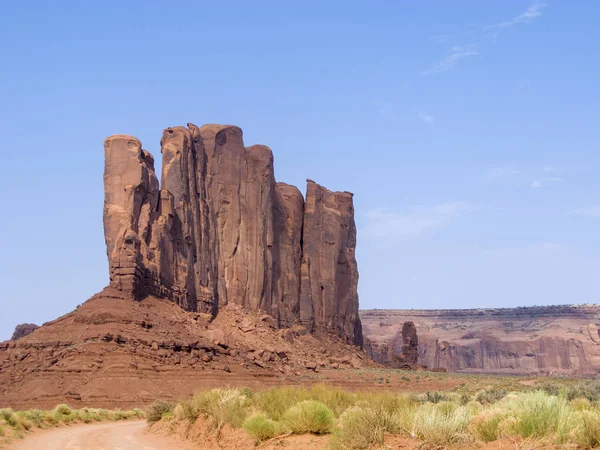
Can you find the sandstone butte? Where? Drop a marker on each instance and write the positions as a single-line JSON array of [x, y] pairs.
[[221, 230], [219, 275]]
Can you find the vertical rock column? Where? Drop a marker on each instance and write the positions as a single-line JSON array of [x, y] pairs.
[[288, 212], [130, 204], [178, 264], [257, 226], [329, 274]]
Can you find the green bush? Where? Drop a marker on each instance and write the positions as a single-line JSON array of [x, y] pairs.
[[5, 414], [485, 424], [588, 389], [309, 416], [156, 410], [362, 427], [539, 415], [223, 406], [435, 397], [441, 428], [587, 433], [490, 395], [63, 409], [261, 428], [551, 388]]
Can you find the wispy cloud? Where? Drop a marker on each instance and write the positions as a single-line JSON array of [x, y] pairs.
[[386, 225], [425, 117], [487, 33], [592, 211], [529, 15], [546, 248], [541, 182], [548, 169], [449, 62], [500, 173]]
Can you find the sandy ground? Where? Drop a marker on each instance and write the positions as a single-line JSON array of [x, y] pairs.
[[130, 435]]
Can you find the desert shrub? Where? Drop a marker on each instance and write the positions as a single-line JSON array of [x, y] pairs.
[[121, 415], [335, 399], [5, 413], [64, 413], [63, 409], [275, 402], [1, 430], [157, 409], [21, 417], [261, 428], [222, 406], [587, 433], [551, 388], [490, 395], [186, 411], [484, 425], [438, 428], [588, 389], [434, 397], [537, 415], [36, 416], [309, 416], [14, 421], [362, 427], [581, 404], [464, 399]]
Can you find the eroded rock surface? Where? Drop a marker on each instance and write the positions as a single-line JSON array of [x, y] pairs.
[[553, 340], [220, 230], [23, 330]]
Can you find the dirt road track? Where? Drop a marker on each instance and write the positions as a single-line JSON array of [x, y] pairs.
[[130, 435]]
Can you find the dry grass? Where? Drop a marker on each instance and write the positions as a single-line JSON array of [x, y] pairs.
[[361, 420]]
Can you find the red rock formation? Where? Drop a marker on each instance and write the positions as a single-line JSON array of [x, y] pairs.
[[557, 340], [220, 230], [23, 330], [329, 274], [410, 343]]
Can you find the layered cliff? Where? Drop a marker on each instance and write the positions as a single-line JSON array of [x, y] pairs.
[[557, 340], [219, 229]]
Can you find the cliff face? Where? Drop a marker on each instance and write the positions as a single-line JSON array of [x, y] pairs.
[[557, 340], [220, 230]]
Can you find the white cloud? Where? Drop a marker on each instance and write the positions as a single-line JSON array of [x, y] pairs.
[[449, 62], [548, 169], [539, 183], [388, 225], [500, 173], [529, 15], [425, 117], [546, 248], [592, 211]]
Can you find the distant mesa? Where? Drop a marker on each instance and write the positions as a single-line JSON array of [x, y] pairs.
[[221, 230]]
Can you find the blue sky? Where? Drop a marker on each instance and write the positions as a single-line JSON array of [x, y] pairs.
[[468, 132]]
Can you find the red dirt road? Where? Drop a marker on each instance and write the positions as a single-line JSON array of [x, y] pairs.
[[130, 435]]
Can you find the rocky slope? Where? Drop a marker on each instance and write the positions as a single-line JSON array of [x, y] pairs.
[[116, 352], [557, 340], [220, 230]]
